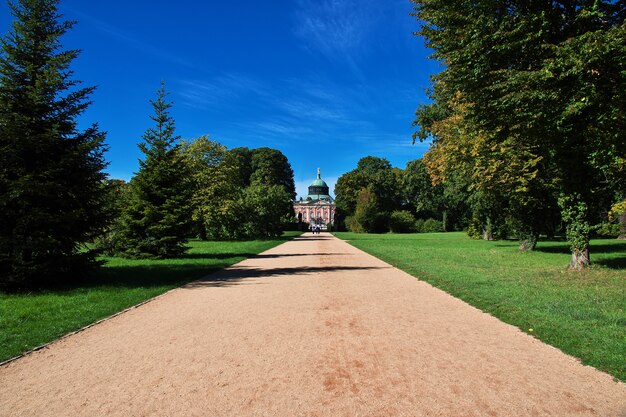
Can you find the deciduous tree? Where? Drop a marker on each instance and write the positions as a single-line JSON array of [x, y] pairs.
[[538, 86]]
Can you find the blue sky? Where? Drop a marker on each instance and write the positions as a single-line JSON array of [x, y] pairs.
[[327, 82]]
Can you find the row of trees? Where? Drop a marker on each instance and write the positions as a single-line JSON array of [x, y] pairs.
[[530, 109], [376, 197], [55, 198], [196, 187]]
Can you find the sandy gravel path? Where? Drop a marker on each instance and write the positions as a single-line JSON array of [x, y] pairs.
[[313, 327]]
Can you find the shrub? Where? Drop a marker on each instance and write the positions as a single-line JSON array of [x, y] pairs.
[[419, 226], [432, 225], [353, 225], [607, 229], [401, 222], [475, 228]]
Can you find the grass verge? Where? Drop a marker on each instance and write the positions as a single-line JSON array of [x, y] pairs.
[[583, 314], [32, 319]]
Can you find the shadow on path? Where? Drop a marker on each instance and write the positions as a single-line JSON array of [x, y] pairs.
[[233, 276]]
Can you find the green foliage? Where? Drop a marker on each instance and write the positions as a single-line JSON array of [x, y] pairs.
[[575, 212], [418, 226], [367, 217], [271, 167], [242, 158], [157, 216], [475, 228], [51, 194], [581, 314], [530, 104], [432, 226], [215, 185], [239, 193], [267, 209], [375, 174], [401, 221], [608, 229], [116, 194], [426, 199]]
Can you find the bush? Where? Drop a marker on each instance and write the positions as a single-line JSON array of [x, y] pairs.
[[418, 226], [353, 225], [475, 228], [401, 222], [607, 229], [367, 218], [432, 225]]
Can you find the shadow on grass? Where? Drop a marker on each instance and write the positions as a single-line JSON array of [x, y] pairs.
[[179, 273], [618, 247], [613, 263], [611, 250], [147, 276]]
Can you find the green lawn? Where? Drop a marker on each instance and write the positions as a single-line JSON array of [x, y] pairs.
[[30, 320], [583, 314]]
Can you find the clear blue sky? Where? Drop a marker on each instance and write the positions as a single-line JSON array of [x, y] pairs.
[[327, 82]]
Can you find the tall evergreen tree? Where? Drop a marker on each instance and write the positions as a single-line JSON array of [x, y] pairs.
[[158, 215], [51, 198]]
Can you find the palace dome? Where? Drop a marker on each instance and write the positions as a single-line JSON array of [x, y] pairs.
[[318, 190]]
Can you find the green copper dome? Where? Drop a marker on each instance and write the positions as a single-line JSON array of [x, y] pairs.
[[319, 183], [318, 190]]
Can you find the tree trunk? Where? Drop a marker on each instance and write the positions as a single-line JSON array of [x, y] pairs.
[[444, 220], [488, 230], [622, 226], [580, 260], [529, 243], [202, 235]]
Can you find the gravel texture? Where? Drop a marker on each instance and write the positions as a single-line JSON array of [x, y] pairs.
[[313, 327]]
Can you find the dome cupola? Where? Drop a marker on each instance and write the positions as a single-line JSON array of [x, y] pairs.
[[318, 190]]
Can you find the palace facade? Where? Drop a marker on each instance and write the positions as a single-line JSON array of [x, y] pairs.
[[318, 208]]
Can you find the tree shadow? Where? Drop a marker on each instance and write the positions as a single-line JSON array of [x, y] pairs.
[[611, 255], [617, 247], [234, 276], [289, 255], [613, 263], [147, 276], [225, 255]]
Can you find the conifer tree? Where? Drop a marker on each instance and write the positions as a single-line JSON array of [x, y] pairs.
[[157, 219], [51, 199]]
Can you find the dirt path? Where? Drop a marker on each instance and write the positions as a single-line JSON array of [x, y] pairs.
[[313, 327]]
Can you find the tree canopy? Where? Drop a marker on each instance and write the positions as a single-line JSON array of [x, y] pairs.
[[156, 220], [530, 105], [51, 172]]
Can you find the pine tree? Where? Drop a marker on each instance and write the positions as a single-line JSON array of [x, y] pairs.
[[158, 215], [50, 171]]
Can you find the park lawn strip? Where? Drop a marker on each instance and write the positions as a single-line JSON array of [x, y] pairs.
[[28, 320], [581, 313]]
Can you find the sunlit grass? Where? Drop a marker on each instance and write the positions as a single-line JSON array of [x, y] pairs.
[[583, 314], [32, 319]]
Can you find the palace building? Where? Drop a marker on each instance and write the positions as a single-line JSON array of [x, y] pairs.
[[318, 208]]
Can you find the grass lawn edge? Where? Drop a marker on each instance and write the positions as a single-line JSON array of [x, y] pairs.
[[102, 320], [421, 274], [132, 307]]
